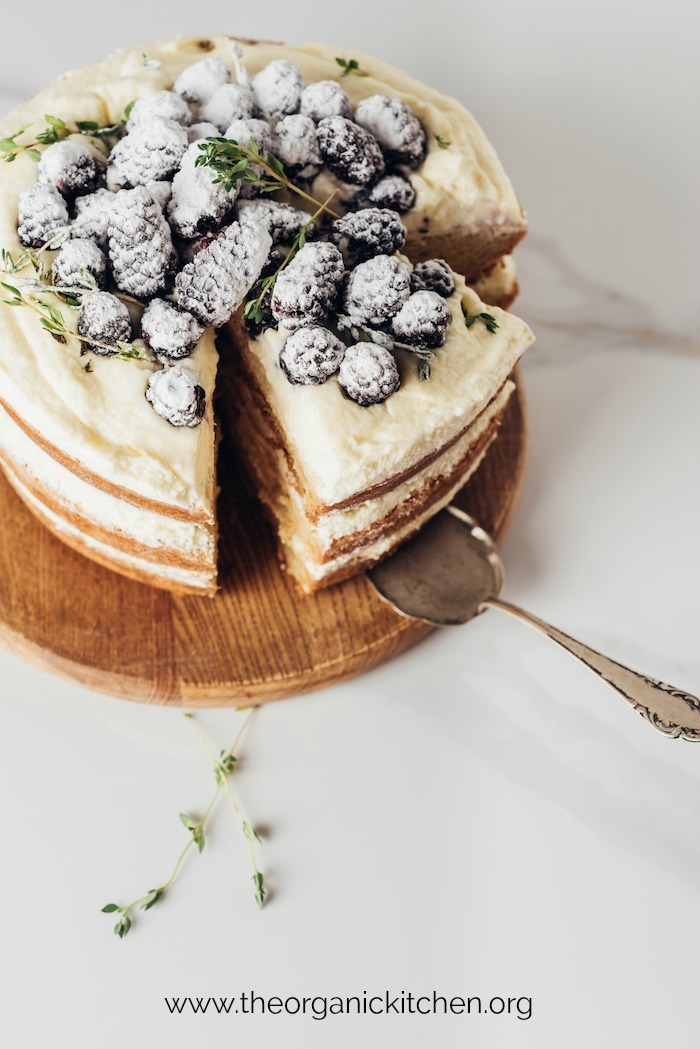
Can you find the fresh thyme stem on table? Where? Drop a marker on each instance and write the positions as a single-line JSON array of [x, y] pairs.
[[223, 767]]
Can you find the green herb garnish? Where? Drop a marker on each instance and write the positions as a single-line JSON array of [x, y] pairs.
[[443, 143], [223, 766], [486, 319], [350, 67], [56, 130]]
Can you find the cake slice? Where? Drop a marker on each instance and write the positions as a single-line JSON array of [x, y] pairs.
[[348, 469]]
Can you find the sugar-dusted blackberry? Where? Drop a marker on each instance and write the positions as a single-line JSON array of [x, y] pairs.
[[392, 191], [141, 250], [228, 103], [294, 142], [242, 131], [71, 167], [283, 221], [310, 356], [41, 212], [352, 154], [90, 217], [201, 130], [150, 153], [371, 231], [306, 291], [176, 395], [325, 98], [433, 275], [376, 290], [77, 260], [161, 192], [368, 374], [277, 89], [395, 126], [422, 320], [159, 104], [104, 318], [219, 277], [171, 332], [198, 82], [198, 202]]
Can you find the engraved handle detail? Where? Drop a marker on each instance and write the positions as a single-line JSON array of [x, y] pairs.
[[671, 711]]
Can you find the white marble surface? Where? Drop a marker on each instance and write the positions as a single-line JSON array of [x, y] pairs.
[[481, 816]]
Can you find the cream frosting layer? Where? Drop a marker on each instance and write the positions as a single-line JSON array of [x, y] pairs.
[[165, 535], [160, 574], [341, 449]]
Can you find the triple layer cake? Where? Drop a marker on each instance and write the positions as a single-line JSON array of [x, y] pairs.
[[291, 208]]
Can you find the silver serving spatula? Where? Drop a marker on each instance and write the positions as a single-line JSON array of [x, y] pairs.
[[451, 571]]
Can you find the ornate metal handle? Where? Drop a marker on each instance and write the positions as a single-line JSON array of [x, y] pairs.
[[671, 711]]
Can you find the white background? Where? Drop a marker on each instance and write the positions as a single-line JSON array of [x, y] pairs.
[[481, 816]]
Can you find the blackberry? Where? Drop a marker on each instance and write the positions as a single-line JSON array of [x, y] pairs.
[[228, 103], [283, 221], [41, 211], [371, 231], [71, 168], [161, 193], [198, 203], [105, 318], [277, 89], [368, 374], [219, 277], [376, 290], [201, 130], [352, 154], [159, 104], [242, 131], [91, 215], [433, 275], [395, 126], [150, 153], [176, 396], [294, 142], [392, 191], [171, 332], [310, 356], [199, 82], [325, 98], [306, 291], [249, 134], [76, 258], [141, 249], [422, 320]]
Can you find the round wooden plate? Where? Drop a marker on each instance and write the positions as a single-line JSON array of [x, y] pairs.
[[257, 640]]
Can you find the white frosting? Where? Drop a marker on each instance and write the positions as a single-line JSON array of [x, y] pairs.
[[163, 534], [342, 449]]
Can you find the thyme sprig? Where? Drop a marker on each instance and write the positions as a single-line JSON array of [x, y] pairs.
[[443, 143], [223, 767], [350, 67], [234, 163], [56, 130], [31, 292], [486, 319], [253, 310]]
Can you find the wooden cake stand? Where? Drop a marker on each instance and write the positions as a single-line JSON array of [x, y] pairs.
[[257, 640]]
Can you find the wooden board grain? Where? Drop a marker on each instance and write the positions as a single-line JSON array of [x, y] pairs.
[[257, 640]]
